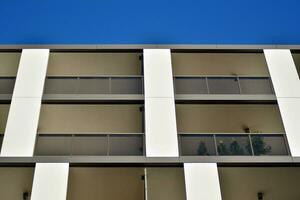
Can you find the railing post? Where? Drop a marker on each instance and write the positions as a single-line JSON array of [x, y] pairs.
[[215, 142], [251, 146], [108, 145], [109, 84], [239, 84], [207, 87]]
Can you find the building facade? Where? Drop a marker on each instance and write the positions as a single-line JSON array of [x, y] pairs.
[[150, 123]]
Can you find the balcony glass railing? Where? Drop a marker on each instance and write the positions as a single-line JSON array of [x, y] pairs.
[[223, 85], [94, 85], [90, 144], [233, 144], [7, 85]]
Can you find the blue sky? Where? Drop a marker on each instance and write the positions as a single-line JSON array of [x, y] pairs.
[[150, 22]]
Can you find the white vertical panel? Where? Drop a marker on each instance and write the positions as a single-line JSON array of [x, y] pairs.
[[161, 131], [202, 181], [283, 73], [160, 118], [22, 122], [50, 181], [158, 78], [286, 84]]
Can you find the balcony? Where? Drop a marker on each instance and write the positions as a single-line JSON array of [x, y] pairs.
[[94, 87], [245, 183], [127, 183], [233, 144], [16, 182], [90, 145], [9, 62]]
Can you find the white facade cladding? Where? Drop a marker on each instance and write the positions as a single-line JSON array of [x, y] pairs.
[[160, 118], [50, 181], [202, 181], [287, 89], [21, 128]]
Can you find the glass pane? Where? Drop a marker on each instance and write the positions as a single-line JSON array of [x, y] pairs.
[[126, 145], [233, 145], [256, 86], [269, 145], [185, 85], [193, 145], [223, 85], [127, 85], [61, 86], [93, 86], [90, 145], [7, 85], [53, 146]]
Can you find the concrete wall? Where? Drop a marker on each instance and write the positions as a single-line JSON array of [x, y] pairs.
[[165, 184], [105, 183], [9, 63], [14, 181], [219, 64], [94, 64], [228, 118], [90, 118]]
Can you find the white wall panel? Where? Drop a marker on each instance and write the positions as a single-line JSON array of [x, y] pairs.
[[290, 113], [158, 78], [31, 73], [50, 181], [287, 89], [202, 181], [283, 73], [161, 131], [21, 128], [160, 118]]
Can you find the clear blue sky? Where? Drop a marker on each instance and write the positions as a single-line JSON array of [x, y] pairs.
[[149, 22]]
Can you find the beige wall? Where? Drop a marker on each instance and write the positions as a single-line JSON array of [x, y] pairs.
[[296, 57], [90, 118], [280, 183], [3, 117], [228, 118], [9, 63], [219, 64], [94, 64], [165, 184], [105, 183], [14, 181]]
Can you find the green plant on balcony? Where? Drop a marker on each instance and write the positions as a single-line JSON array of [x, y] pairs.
[[222, 149], [202, 149], [259, 146], [236, 149]]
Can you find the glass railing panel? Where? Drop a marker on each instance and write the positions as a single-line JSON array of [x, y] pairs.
[[7, 85], [190, 85], [255, 85], [93, 85], [223, 85], [269, 145], [233, 145], [50, 145], [126, 145], [193, 145], [61, 85], [126, 85], [90, 145]]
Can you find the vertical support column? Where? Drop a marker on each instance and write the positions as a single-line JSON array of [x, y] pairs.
[[21, 128], [202, 181], [50, 181], [286, 84], [160, 118]]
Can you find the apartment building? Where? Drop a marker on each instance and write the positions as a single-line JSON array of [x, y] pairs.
[[149, 124]]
